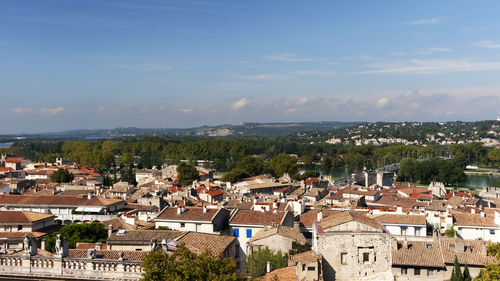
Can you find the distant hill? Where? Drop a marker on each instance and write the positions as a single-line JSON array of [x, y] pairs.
[[228, 130]]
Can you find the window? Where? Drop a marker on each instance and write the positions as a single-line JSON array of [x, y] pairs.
[[417, 231], [416, 271], [249, 233], [404, 230], [366, 257], [311, 268], [492, 231], [7, 228], [343, 258], [19, 227], [183, 224], [303, 267], [404, 271], [430, 272], [429, 246], [237, 232]]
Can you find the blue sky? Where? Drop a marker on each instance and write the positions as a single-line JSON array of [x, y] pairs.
[[70, 64]]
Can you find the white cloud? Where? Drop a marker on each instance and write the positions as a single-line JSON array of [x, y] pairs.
[[20, 110], [431, 67], [432, 50], [239, 104], [324, 73], [435, 20], [186, 110], [145, 66], [382, 102], [488, 44], [101, 108], [290, 110], [52, 111], [287, 58], [261, 77]]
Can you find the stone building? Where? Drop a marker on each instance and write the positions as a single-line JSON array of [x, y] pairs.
[[353, 247]]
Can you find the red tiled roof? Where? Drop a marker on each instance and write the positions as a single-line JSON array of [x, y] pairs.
[[190, 214], [14, 160], [251, 217]]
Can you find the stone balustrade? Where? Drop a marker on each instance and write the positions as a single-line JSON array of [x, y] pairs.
[[95, 269]]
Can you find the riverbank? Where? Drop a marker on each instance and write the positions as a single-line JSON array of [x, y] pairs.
[[486, 173]]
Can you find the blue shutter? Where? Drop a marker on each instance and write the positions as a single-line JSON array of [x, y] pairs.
[[249, 233], [236, 232]]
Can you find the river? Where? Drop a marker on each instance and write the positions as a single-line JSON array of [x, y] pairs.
[[480, 181]]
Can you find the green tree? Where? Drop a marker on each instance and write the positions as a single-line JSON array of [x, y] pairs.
[[257, 261], [183, 265], [408, 169], [283, 163], [491, 271], [79, 232], [466, 274], [235, 175], [456, 273], [298, 248], [450, 232], [62, 175], [186, 174], [252, 165], [494, 156]]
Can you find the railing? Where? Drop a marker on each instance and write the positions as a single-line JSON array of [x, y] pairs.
[[97, 269]]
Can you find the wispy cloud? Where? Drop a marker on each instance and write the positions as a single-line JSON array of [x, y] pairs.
[[488, 44], [20, 110], [287, 57], [261, 77], [52, 110], [431, 67], [321, 73], [428, 51], [435, 20], [186, 110], [145, 66], [239, 104], [382, 102]]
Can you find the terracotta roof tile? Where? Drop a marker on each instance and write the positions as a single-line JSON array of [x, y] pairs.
[[344, 217], [143, 236], [189, 214], [400, 219], [280, 230], [250, 217], [198, 242], [283, 274], [22, 216], [306, 257], [109, 254]]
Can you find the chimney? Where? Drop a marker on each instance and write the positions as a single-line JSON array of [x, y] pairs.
[[296, 225], [394, 244], [268, 267], [405, 244], [435, 235], [483, 250], [98, 246], [110, 230], [459, 246], [320, 215], [399, 210], [472, 211], [43, 245], [482, 214], [204, 209]]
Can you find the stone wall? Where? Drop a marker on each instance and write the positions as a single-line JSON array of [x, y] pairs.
[[365, 254]]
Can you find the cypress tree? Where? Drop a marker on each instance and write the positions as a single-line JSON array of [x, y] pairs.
[[467, 276]]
